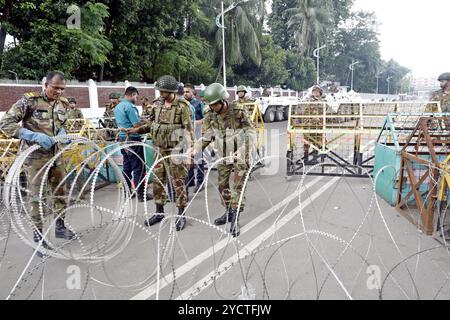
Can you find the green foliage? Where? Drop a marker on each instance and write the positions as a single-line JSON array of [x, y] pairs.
[[140, 40], [49, 44]]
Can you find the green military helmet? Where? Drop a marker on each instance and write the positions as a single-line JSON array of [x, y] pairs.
[[216, 92], [241, 89], [115, 95], [444, 76], [72, 100], [167, 83], [316, 87]]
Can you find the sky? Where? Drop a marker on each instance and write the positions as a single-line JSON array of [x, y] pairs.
[[415, 33]]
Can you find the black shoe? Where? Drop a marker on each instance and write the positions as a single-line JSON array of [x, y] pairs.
[[37, 237], [62, 232], [180, 223], [154, 219], [235, 228], [226, 217]]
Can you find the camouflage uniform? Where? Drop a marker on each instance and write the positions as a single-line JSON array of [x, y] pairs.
[[74, 114], [108, 116], [38, 114], [315, 109], [168, 126], [230, 131], [443, 98]]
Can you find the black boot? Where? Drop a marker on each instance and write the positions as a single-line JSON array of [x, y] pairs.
[[157, 217], [37, 237], [235, 229], [61, 231], [180, 223], [226, 217]]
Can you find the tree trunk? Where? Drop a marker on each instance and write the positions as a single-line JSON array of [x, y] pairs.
[[100, 73]]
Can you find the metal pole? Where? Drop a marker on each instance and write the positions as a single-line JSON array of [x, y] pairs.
[[351, 88], [389, 84], [351, 67], [223, 48], [317, 55]]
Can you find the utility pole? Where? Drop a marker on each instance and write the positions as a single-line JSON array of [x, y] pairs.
[[351, 67], [317, 55]]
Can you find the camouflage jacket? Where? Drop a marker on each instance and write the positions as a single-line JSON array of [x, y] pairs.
[[74, 114], [37, 114], [236, 125], [314, 109], [246, 100], [443, 98], [169, 126], [108, 116]]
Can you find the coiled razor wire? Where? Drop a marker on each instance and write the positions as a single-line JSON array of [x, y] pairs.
[[115, 235]]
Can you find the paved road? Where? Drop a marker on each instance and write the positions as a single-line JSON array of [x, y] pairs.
[[326, 238]]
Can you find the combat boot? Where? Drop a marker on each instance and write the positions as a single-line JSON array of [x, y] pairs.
[[180, 223], [37, 237], [226, 217], [235, 228], [157, 217], [61, 231]]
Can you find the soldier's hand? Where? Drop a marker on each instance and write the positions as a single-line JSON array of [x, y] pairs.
[[132, 131]]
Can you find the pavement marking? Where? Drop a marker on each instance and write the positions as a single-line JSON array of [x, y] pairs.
[[254, 244], [151, 290], [168, 279]]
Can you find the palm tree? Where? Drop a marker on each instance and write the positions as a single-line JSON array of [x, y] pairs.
[[308, 22], [243, 25]]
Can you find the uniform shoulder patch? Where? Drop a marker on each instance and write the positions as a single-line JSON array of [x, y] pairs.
[[31, 95], [64, 101], [184, 103]]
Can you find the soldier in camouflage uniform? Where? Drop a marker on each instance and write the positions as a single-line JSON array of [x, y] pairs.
[[146, 106], [234, 135], [442, 95], [73, 113], [43, 116], [242, 92], [169, 122], [108, 116], [315, 109]]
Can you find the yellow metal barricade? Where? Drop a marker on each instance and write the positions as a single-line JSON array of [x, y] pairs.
[[341, 134]]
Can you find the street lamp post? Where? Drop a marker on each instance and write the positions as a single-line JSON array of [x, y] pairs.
[[351, 67], [378, 77], [389, 82], [219, 17], [317, 55]]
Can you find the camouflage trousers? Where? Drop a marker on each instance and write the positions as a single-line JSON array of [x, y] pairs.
[[56, 195], [230, 196], [177, 171]]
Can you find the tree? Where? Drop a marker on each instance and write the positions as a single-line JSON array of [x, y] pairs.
[[308, 22], [243, 24], [46, 43]]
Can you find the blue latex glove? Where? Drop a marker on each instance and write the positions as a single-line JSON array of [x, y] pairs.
[[62, 132], [41, 138]]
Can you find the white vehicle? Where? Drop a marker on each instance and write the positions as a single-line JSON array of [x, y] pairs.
[[275, 108]]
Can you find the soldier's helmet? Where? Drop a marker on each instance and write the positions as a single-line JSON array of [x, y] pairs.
[[316, 87], [444, 76], [167, 83], [215, 92], [114, 95], [241, 89], [72, 100]]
